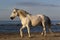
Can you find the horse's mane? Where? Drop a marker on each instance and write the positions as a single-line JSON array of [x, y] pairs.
[[24, 13]]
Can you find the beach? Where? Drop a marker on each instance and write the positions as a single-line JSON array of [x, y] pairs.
[[10, 31], [34, 36]]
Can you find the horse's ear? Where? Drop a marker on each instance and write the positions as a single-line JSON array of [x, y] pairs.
[[15, 9]]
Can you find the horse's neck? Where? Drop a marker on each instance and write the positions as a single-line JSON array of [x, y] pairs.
[[21, 17]]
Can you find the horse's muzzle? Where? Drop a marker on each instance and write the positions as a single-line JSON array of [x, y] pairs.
[[11, 18]]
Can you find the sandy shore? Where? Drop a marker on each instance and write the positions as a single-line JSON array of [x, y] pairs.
[[35, 36]]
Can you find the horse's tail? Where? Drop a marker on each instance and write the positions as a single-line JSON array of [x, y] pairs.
[[49, 21]]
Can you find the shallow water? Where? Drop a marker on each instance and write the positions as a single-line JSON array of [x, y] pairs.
[[14, 26]]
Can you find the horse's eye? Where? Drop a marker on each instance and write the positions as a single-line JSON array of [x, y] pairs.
[[13, 12]]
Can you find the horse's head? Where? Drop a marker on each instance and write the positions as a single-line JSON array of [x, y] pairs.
[[18, 12], [14, 13]]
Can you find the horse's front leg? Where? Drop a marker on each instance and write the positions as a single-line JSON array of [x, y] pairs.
[[28, 28], [21, 33]]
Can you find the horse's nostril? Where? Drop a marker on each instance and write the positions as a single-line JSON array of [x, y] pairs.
[[11, 18]]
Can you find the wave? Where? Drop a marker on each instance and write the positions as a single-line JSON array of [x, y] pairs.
[[18, 23]]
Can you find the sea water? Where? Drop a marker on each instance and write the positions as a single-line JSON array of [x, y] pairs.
[[14, 27]]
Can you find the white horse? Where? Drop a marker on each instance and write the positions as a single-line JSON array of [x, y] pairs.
[[29, 20]]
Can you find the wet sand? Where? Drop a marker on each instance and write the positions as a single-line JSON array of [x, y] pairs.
[[35, 36]]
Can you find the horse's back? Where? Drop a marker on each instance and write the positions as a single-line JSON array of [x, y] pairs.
[[35, 20]]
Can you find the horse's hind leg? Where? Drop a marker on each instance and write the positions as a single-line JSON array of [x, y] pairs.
[[28, 31], [49, 28], [21, 31], [44, 28]]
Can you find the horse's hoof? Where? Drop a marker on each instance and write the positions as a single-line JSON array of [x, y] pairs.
[[45, 35], [41, 33], [29, 36], [21, 36]]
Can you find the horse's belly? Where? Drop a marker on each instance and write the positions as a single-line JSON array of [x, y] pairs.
[[35, 23]]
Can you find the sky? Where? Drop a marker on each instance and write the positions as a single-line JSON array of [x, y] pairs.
[[50, 8]]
